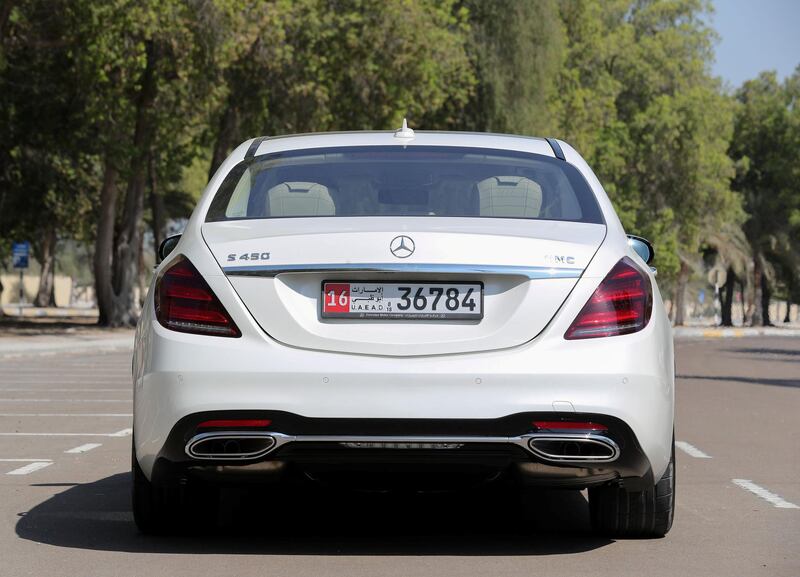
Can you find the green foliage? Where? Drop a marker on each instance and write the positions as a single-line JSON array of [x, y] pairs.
[[316, 65], [45, 173], [638, 101], [766, 148], [154, 92], [517, 49]]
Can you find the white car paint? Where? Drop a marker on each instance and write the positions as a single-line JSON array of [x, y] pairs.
[[516, 308], [518, 360]]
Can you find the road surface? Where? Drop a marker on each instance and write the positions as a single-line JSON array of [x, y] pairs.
[[65, 423]]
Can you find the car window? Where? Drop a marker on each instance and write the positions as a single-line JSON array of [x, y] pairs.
[[410, 181]]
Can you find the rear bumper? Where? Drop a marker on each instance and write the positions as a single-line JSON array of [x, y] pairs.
[[626, 379], [396, 448]]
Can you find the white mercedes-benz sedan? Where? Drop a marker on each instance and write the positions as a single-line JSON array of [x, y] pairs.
[[414, 309]]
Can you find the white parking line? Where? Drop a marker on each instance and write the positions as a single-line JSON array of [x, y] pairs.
[[30, 468], [34, 390], [65, 400], [84, 448], [32, 372], [66, 414], [765, 494], [65, 375], [59, 380], [691, 450], [122, 433]]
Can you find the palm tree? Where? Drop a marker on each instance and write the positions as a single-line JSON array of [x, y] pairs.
[[734, 256]]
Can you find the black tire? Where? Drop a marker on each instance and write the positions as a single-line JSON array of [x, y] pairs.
[[167, 510], [616, 512], [151, 505]]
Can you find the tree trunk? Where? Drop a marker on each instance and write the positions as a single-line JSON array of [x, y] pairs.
[[128, 246], [141, 279], [757, 319], [745, 320], [5, 13], [680, 294], [104, 245], [227, 137], [47, 259], [229, 129], [727, 299], [786, 319], [766, 295], [156, 205]]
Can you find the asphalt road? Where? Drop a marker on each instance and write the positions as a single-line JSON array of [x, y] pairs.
[[64, 491]]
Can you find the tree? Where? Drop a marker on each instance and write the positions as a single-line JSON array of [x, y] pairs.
[[516, 49], [733, 255], [637, 97], [45, 179], [146, 89], [146, 62], [766, 147], [345, 65]]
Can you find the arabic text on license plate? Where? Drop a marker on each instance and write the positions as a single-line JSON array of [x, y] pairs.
[[423, 301]]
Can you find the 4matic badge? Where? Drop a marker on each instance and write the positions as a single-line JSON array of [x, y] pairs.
[[557, 259], [248, 256]]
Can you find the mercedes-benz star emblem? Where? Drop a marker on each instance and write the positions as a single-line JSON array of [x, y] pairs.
[[402, 246]]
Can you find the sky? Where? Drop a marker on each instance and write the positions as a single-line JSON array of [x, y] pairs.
[[756, 35]]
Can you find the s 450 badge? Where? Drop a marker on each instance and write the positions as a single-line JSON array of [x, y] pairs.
[[248, 256]]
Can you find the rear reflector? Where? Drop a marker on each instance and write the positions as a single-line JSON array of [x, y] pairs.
[[185, 303], [235, 424], [569, 425], [619, 306]]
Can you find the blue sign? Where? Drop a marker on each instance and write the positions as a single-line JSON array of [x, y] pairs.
[[19, 254]]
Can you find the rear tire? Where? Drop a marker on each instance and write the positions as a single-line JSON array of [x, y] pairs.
[[616, 512], [159, 510], [151, 504]]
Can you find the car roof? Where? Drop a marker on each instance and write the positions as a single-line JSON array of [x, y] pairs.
[[269, 145]]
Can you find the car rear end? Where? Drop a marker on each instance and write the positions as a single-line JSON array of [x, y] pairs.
[[373, 309]]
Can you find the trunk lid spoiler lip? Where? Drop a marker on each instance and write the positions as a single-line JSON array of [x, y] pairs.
[[531, 272]]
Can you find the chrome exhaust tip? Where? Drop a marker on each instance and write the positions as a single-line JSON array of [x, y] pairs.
[[230, 445], [574, 447]]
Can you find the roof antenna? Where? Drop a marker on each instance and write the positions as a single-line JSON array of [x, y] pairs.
[[404, 131]]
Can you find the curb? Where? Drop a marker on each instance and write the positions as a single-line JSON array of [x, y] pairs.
[[732, 332], [29, 312], [23, 349]]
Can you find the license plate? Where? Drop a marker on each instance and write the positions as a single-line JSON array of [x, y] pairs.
[[409, 300]]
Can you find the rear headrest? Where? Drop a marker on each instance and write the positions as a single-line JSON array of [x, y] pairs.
[[510, 196], [300, 199]]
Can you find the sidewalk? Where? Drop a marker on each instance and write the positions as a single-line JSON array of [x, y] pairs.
[[732, 332], [15, 342], [28, 311]]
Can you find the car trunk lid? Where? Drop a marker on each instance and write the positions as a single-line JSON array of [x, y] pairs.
[[527, 269]]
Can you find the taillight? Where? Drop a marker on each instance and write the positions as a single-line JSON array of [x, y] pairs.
[[185, 303], [621, 305]]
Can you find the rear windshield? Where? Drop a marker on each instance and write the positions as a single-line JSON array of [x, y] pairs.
[[404, 181]]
